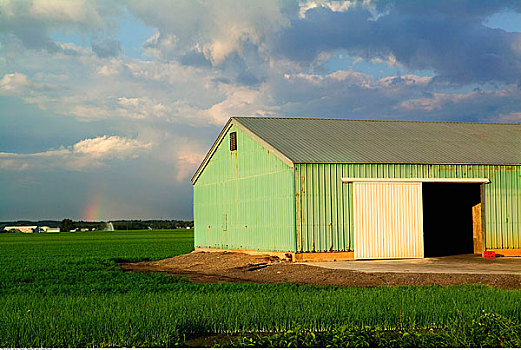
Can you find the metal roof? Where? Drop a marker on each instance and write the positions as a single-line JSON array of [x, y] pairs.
[[312, 140]]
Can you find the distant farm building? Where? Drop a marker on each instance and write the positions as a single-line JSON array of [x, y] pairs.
[[342, 189], [31, 229], [48, 229], [24, 229]]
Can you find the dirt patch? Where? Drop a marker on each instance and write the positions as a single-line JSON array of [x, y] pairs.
[[202, 267]]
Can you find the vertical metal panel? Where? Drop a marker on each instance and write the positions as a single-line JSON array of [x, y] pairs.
[[501, 200], [388, 220], [325, 210], [245, 199]]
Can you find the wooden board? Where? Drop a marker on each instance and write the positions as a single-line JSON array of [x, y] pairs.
[[507, 252], [477, 232], [324, 256]]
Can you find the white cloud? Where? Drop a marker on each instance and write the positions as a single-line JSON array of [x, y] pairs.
[[14, 82], [438, 100], [110, 69], [85, 112], [345, 78], [141, 108], [161, 46], [216, 29], [110, 147], [406, 79], [116, 89], [335, 6], [32, 23], [479, 105], [50, 153], [83, 155], [13, 164], [66, 11], [239, 101], [390, 60]]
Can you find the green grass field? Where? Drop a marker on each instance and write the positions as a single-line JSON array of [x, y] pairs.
[[64, 290]]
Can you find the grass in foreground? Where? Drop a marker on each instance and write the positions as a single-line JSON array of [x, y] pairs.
[[489, 330], [64, 290]]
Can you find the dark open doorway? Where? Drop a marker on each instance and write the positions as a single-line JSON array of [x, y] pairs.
[[448, 218]]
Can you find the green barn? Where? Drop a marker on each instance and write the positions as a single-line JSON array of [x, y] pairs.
[[359, 189]]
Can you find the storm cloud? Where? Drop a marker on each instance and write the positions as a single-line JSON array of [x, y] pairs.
[[442, 36]]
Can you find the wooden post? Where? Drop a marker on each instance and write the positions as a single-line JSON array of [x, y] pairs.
[[477, 233]]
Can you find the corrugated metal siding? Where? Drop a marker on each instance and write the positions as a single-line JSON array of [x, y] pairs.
[[388, 220], [324, 204], [245, 199], [323, 212]]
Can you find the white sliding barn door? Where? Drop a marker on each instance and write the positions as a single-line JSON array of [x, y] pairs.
[[388, 220]]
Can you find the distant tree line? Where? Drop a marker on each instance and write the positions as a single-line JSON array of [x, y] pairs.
[[67, 225], [151, 224]]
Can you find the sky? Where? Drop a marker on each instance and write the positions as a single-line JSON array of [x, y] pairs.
[[108, 107]]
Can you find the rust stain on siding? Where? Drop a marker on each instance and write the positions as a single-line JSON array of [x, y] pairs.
[[299, 244], [330, 237], [447, 168], [298, 215]]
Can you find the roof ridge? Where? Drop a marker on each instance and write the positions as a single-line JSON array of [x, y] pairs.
[[379, 120]]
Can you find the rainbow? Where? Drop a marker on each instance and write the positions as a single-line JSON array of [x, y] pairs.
[[94, 207]]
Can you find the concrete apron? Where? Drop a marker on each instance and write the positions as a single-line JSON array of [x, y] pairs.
[[459, 264]]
